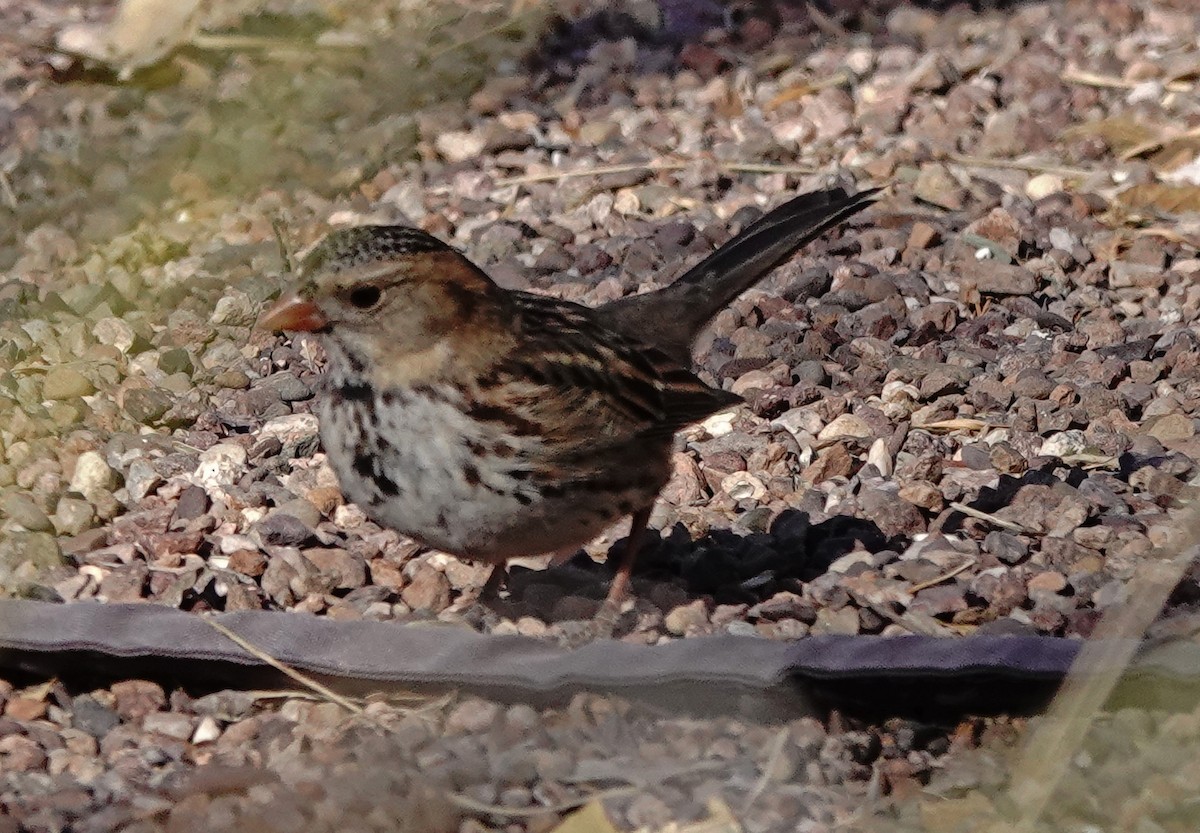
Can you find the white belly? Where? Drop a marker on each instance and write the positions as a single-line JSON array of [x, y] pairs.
[[419, 465]]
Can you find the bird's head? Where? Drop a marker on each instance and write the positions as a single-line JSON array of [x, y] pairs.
[[387, 293]]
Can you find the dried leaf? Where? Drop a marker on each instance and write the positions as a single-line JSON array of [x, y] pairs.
[[1186, 174], [793, 93], [142, 33], [1120, 133], [1167, 199], [1171, 235], [804, 89], [1167, 152], [590, 818], [1187, 69]]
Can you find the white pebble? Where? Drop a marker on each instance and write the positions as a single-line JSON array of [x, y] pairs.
[[207, 730], [1043, 185], [220, 465], [234, 309], [742, 484], [115, 333], [92, 474], [878, 457], [1063, 444], [290, 429], [846, 425]]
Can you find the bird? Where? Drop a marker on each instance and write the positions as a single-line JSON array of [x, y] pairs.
[[491, 423]]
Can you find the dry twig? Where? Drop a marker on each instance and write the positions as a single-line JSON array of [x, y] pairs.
[[987, 516], [472, 805], [949, 574], [303, 679], [1111, 82]]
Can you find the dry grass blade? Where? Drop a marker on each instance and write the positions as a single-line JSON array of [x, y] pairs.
[[654, 167], [1168, 234], [915, 621], [1158, 143], [946, 576], [519, 12], [472, 805], [260, 654], [554, 176], [1162, 198], [799, 91], [1091, 461], [773, 757], [827, 25], [958, 424], [1111, 82], [987, 516], [10, 196], [285, 252], [1050, 751], [244, 43], [1018, 165], [767, 168]]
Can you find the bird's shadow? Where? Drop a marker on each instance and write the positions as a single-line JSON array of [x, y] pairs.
[[721, 566]]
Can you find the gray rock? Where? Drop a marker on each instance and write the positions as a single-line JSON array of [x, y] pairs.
[[66, 383], [174, 361], [91, 716], [282, 529], [1008, 548], [141, 480], [994, 278], [73, 516], [300, 508], [193, 502], [235, 309], [21, 509], [289, 387], [350, 571], [146, 406]]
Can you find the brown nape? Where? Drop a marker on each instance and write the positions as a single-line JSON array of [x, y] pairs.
[[462, 283]]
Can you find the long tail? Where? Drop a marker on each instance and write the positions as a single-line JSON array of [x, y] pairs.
[[673, 316]]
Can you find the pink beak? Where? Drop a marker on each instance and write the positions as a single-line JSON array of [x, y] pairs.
[[291, 312]]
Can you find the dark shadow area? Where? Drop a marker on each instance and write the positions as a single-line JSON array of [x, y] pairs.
[[707, 35], [729, 567]]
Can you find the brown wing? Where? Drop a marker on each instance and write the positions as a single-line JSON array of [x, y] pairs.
[[574, 379]]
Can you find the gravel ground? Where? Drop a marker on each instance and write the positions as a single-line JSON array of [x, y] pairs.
[[973, 410]]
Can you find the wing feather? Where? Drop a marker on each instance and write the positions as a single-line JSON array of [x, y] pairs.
[[616, 388]]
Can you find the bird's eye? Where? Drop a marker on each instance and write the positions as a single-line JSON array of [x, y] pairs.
[[365, 297]]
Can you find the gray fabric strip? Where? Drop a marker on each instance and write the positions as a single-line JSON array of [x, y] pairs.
[[428, 654]]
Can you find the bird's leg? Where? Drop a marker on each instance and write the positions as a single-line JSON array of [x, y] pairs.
[[495, 580], [620, 584]]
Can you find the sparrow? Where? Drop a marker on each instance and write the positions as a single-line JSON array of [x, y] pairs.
[[491, 423]]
